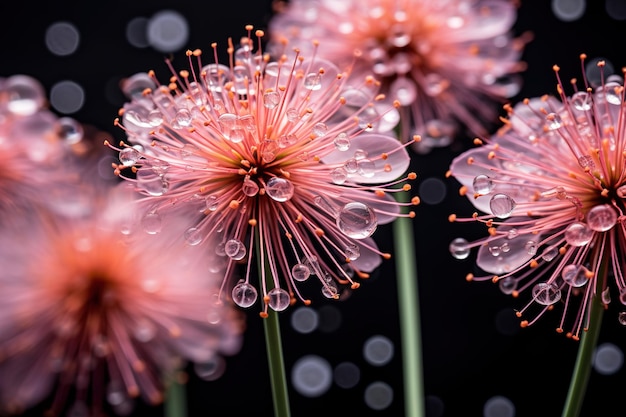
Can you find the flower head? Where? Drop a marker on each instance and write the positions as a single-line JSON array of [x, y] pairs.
[[552, 183], [446, 62], [280, 158], [36, 146], [100, 314]]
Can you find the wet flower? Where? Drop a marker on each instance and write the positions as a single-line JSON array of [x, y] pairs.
[[552, 183], [35, 144], [93, 315], [281, 159], [447, 62]]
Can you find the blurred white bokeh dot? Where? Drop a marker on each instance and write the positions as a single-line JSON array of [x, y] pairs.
[[378, 350], [137, 32], [608, 359], [67, 97], [568, 10], [378, 395], [616, 9], [347, 375], [434, 406], [311, 376], [329, 318], [168, 31], [304, 320], [432, 190], [498, 406], [62, 38]]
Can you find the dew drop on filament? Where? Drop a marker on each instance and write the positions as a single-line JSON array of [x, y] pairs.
[[357, 220], [244, 294], [459, 248], [601, 218], [279, 299], [501, 205], [546, 293]]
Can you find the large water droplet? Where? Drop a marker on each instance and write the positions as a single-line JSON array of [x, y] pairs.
[[459, 248], [300, 272], [575, 275], [578, 234], [235, 249], [249, 187], [357, 220], [151, 223], [279, 189], [342, 142], [601, 218], [483, 184], [193, 236], [581, 101], [501, 205], [546, 293], [271, 99], [279, 299], [313, 81], [244, 294], [507, 285], [129, 156], [339, 175]]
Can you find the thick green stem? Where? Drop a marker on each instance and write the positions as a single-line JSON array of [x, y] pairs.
[[588, 341], [408, 303], [273, 342], [278, 378], [176, 399]]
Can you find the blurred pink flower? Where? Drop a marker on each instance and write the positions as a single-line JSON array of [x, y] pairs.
[[552, 183], [281, 158], [445, 61], [35, 145], [98, 315]]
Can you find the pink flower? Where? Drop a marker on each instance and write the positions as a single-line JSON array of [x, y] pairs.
[[99, 316], [446, 62], [280, 159], [36, 146], [552, 183]]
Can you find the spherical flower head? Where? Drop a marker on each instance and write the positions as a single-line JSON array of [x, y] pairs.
[[280, 159], [103, 314], [552, 184], [36, 145], [446, 62]]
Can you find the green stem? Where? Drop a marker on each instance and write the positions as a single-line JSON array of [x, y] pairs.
[[278, 378], [588, 341], [176, 399], [273, 342], [408, 303]]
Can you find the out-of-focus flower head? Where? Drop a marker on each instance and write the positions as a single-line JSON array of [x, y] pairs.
[[552, 183], [93, 315], [281, 158], [448, 63], [40, 150]]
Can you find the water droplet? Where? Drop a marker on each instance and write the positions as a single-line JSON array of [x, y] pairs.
[[507, 285], [581, 101], [601, 218], [320, 129], [129, 156], [352, 252], [144, 330], [434, 84], [531, 247], [622, 295], [495, 250], [287, 140], [279, 299], [155, 118], [482, 184], [501, 205], [546, 293], [339, 175], [244, 294], [300, 272], [116, 394], [575, 275], [183, 117], [512, 234], [554, 121], [351, 165], [586, 161], [313, 81], [193, 236], [367, 168], [271, 99], [459, 248], [578, 234], [279, 189], [621, 191], [621, 317], [235, 249], [70, 130], [549, 253], [211, 203], [357, 220], [342, 142], [155, 185], [151, 223], [329, 290], [249, 187], [360, 154]]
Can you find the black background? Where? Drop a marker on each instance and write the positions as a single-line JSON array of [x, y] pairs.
[[472, 346]]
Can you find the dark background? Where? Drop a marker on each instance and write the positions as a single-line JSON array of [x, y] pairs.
[[473, 348]]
